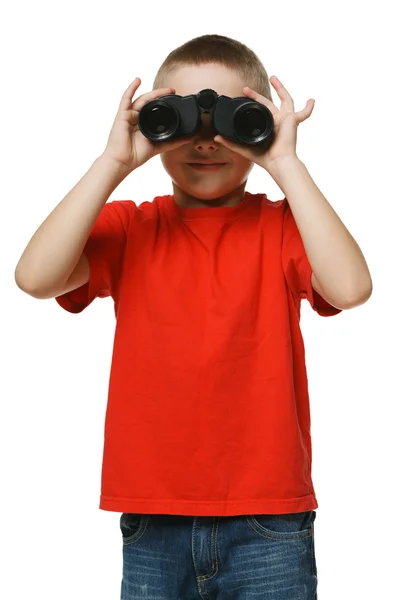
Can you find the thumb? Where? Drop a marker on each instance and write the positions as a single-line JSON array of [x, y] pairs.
[[234, 147], [176, 144]]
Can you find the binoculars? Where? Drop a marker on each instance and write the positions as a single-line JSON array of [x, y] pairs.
[[238, 119]]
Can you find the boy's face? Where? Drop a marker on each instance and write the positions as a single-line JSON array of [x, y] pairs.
[[188, 183]]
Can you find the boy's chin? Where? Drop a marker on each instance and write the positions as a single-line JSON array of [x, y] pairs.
[[208, 191]]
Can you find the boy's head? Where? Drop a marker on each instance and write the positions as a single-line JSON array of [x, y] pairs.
[[226, 66]]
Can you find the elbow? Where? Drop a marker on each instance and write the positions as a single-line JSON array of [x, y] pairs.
[[20, 281], [26, 286], [359, 298]]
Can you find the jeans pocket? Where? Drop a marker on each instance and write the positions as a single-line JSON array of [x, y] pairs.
[[314, 562], [132, 526], [288, 526]]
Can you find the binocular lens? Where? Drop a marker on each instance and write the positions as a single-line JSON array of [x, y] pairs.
[[250, 123], [159, 120]]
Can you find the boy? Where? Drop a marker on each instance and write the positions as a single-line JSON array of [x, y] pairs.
[[207, 449]]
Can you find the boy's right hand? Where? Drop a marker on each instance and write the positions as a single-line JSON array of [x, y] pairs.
[[126, 143]]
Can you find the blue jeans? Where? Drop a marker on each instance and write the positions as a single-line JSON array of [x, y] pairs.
[[177, 557]]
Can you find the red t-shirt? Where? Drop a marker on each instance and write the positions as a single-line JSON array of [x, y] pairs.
[[208, 406]]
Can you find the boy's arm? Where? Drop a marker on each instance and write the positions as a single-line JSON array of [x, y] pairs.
[[53, 263], [336, 259], [79, 276]]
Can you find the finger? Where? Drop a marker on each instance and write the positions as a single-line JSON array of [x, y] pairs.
[[144, 98], [238, 148], [262, 99], [167, 146], [302, 115], [126, 99], [282, 92]]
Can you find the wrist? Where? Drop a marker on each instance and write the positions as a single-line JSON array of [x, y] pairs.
[[115, 164], [282, 164]]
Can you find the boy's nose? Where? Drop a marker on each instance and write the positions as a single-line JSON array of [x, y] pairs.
[[206, 125]]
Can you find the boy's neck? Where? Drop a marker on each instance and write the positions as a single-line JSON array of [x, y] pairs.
[[234, 198]]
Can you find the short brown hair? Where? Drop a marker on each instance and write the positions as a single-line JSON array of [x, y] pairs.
[[213, 48]]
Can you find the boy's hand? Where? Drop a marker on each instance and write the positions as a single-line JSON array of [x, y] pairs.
[[126, 143], [285, 130]]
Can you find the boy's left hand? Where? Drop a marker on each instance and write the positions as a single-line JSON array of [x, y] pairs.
[[285, 130]]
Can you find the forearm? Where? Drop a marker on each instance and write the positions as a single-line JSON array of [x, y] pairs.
[[334, 255], [55, 248]]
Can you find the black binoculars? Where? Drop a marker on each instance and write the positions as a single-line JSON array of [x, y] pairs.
[[240, 119]]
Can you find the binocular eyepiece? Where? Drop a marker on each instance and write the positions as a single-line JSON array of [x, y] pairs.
[[239, 119]]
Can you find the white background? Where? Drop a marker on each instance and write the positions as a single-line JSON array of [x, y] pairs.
[[64, 70]]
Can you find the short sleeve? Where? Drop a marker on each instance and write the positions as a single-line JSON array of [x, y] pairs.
[[297, 268], [104, 249]]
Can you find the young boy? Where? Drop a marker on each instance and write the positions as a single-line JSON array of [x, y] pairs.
[[207, 448]]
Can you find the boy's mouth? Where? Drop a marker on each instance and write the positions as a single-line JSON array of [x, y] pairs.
[[206, 167]]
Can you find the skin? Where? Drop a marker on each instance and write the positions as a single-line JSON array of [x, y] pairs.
[[191, 188]]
